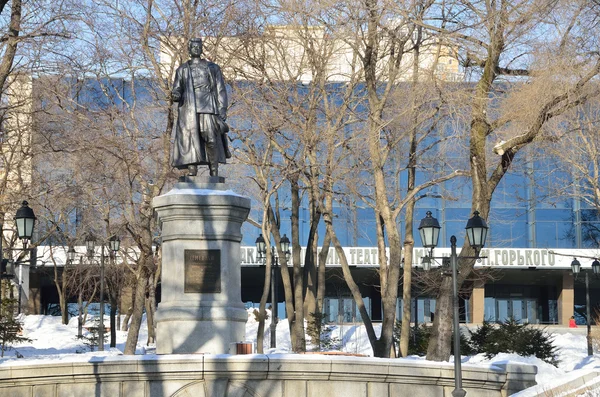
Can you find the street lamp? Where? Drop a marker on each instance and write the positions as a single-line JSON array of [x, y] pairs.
[[114, 244], [476, 229], [576, 268], [25, 222], [284, 245], [71, 256]]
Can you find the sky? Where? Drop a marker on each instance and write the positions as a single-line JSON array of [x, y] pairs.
[[52, 341]]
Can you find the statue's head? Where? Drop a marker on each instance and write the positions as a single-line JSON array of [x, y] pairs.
[[195, 47]]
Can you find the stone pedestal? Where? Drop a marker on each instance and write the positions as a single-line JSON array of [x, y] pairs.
[[201, 309]]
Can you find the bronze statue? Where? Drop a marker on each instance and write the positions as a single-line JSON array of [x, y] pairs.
[[200, 131]]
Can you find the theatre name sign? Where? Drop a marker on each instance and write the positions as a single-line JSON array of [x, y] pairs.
[[494, 257]]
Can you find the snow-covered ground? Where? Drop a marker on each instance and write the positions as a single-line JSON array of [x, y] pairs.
[[51, 341]]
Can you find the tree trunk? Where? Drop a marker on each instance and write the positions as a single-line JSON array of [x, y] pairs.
[[262, 310], [80, 314], [298, 296], [321, 273], [407, 282], [64, 300], [150, 318], [6, 67], [125, 324], [310, 269], [390, 298], [151, 304], [138, 309], [63, 307], [440, 342]]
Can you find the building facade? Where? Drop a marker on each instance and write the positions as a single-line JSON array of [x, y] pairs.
[[537, 213]]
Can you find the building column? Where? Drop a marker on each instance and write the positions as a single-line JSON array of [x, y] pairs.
[[477, 302], [566, 299]]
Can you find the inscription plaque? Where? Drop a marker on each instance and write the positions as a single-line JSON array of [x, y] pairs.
[[202, 271]]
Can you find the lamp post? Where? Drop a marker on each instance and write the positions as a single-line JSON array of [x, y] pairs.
[[476, 229], [576, 268], [71, 256], [25, 222], [261, 248], [114, 244]]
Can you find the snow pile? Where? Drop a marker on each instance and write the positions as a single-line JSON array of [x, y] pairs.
[[546, 372]]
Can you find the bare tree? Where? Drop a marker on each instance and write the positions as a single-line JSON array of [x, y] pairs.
[[386, 45], [303, 125], [500, 42], [576, 169]]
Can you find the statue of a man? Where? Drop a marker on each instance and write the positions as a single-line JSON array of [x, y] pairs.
[[200, 132]]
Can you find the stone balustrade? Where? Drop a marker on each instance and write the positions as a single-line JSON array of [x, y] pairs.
[[286, 375]]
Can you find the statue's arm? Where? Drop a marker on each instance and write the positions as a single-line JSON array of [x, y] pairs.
[[221, 93], [177, 91]]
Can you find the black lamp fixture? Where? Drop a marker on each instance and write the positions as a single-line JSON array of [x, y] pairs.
[[90, 244], [429, 229], [284, 244], [596, 266], [25, 220], [476, 231], [71, 254], [260, 246], [476, 228], [575, 266], [114, 243]]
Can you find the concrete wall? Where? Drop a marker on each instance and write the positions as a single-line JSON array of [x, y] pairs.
[[255, 376]]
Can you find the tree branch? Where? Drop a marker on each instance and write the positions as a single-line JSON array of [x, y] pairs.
[[550, 110]]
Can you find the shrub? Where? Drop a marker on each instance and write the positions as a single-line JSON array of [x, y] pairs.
[[419, 340], [320, 333], [512, 337], [480, 336], [465, 345], [10, 327], [313, 328]]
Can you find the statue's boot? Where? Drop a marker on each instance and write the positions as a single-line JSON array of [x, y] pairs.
[[192, 170]]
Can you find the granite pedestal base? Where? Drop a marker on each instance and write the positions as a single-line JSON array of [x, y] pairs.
[[201, 310]]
